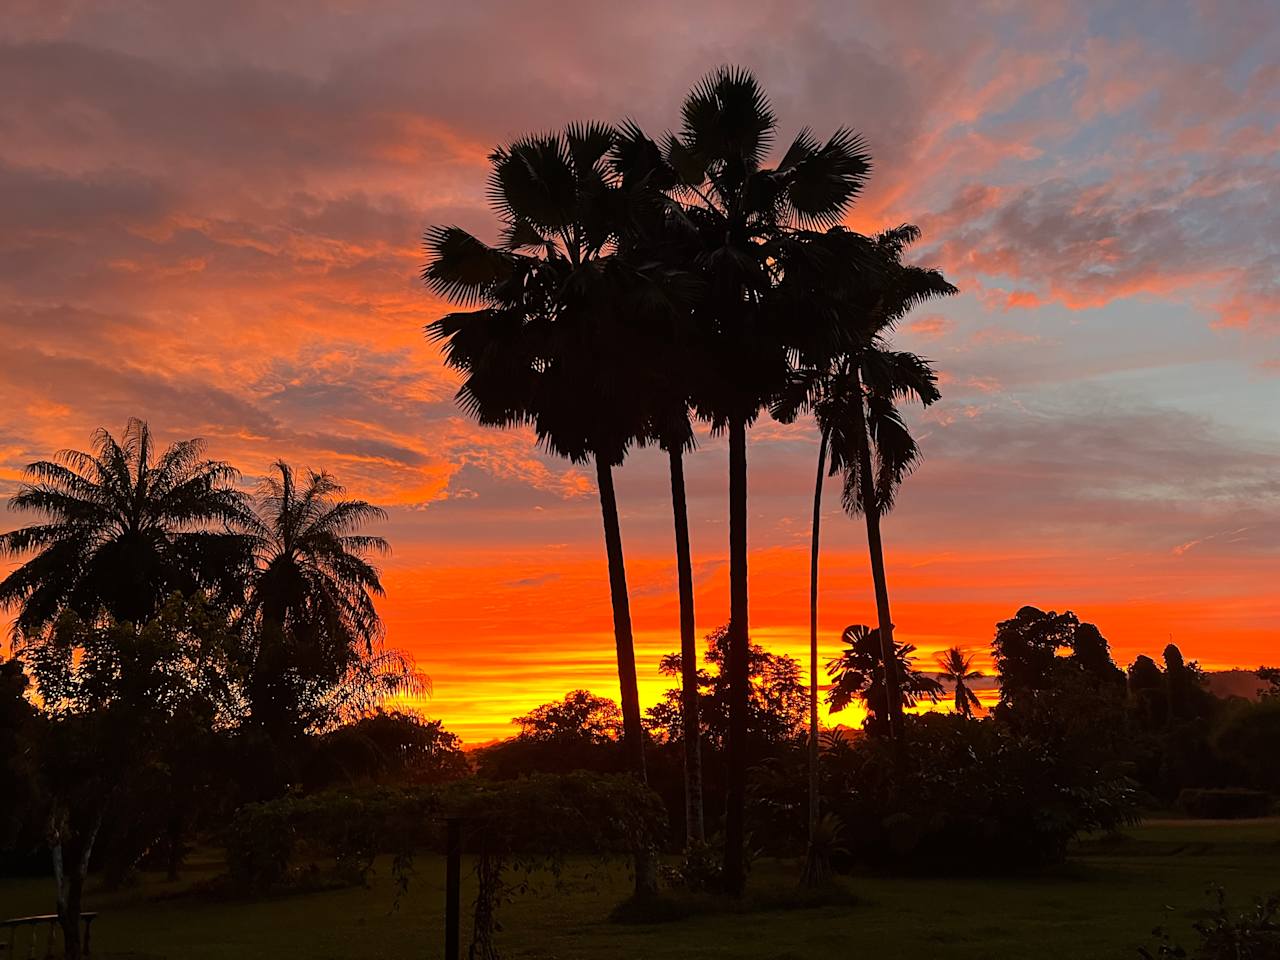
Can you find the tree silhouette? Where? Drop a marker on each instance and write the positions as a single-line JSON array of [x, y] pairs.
[[548, 344], [955, 666], [870, 443], [746, 215], [859, 672], [123, 529], [654, 233], [858, 289], [311, 603]]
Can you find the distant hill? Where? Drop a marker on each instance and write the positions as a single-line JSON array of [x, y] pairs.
[[1235, 683]]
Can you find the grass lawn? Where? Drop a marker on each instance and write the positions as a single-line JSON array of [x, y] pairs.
[[1102, 904]]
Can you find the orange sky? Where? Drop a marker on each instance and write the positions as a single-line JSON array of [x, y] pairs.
[[210, 217]]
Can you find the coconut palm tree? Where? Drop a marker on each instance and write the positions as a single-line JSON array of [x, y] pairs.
[[747, 217], [955, 668], [311, 603], [123, 528], [546, 344], [859, 673], [850, 378], [856, 288]]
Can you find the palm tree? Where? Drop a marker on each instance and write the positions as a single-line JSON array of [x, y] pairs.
[[311, 600], [857, 288], [955, 665], [655, 234], [746, 216], [859, 672], [123, 529], [546, 345], [674, 434], [861, 388]]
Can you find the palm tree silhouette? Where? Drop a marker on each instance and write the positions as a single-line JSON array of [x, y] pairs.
[[858, 290], [656, 234], [744, 215], [954, 666], [859, 672], [124, 528], [311, 600], [547, 344], [855, 389], [672, 431]]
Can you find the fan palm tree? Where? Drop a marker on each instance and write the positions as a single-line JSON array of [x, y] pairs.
[[859, 673], [546, 343], [955, 668], [311, 601], [747, 216], [124, 527], [674, 434]]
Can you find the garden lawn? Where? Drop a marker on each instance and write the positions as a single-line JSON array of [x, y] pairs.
[[1102, 904]]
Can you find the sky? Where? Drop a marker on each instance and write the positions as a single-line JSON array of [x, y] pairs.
[[211, 218]]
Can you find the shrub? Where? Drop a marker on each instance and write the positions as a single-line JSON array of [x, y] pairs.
[[1224, 804], [1252, 935], [968, 796]]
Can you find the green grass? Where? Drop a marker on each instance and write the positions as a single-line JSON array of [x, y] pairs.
[[1102, 904]]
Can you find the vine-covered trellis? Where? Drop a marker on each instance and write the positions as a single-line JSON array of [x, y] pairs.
[[510, 828]]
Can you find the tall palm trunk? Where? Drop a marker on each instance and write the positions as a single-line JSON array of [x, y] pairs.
[[871, 511], [735, 795], [632, 731], [813, 636], [695, 827], [815, 867]]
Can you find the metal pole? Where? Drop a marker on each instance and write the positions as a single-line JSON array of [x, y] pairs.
[[452, 888]]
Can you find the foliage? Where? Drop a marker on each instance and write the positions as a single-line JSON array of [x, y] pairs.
[[1248, 737], [578, 732], [180, 661], [956, 668], [1251, 935], [315, 635], [123, 529], [1026, 652], [386, 747], [1271, 677], [978, 793], [859, 673], [521, 825], [18, 723], [132, 715], [580, 715], [776, 703]]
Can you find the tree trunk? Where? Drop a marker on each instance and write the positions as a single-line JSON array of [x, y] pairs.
[[739, 642], [813, 636], [71, 853], [871, 511], [816, 866], [632, 731], [695, 827]]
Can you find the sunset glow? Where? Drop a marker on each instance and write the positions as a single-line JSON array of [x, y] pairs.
[[211, 218]]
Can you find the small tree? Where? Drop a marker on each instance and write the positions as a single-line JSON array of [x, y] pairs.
[[120, 700], [859, 673], [955, 666]]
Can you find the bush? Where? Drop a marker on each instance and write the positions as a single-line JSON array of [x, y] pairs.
[[989, 797], [1253, 935], [1224, 804], [1247, 738]]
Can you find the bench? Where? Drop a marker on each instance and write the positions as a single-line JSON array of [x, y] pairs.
[[9, 944]]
